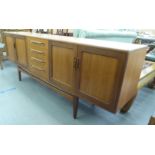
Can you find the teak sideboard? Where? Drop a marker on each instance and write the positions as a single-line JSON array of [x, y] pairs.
[[102, 72]]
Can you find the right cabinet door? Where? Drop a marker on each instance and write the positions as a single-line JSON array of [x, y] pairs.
[[99, 75]]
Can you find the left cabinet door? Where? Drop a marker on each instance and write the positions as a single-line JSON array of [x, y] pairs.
[[10, 42], [21, 51]]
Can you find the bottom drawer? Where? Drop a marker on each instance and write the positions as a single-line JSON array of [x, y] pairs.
[[39, 72]]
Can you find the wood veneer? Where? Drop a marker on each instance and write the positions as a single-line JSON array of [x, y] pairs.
[[104, 73]]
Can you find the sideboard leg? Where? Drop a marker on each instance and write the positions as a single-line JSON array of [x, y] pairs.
[[152, 120], [75, 106], [128, 105], [152, 84], [19, 75], [1, 66]]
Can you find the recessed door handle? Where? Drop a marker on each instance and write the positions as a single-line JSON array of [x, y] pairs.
[[76, 63]]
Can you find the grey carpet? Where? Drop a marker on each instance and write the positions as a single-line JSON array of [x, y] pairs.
[[29, 102]]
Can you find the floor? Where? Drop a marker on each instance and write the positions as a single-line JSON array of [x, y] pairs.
[[30, 103]]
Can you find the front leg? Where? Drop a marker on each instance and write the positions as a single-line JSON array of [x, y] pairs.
[[152, 84], [152, 120], [75, 106], [1, 64], [19, 75], [128, 105]]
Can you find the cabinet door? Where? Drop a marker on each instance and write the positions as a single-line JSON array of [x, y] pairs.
[[99, 75], [10, 42], [62, 61], [21, 52]]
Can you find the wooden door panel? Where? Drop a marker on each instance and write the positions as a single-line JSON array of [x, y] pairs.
[[98, 76], [63, 71], [21, 52], [10, 48]]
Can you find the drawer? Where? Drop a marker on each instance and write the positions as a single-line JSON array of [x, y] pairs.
[[38, 57], [39, 68], [40, 64], [39, 72], [38, 54], [38, 44]]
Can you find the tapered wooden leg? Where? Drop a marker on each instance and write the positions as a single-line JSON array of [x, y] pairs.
[[152, 120], [1, 64], [19, 75], [152, 84], [128, 105], [75, 107]]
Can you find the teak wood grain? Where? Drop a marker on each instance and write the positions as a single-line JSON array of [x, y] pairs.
[[10, 42], [62, 65], [21, 51], [38, 55], [134, 65], [98, 75], [107, 77]]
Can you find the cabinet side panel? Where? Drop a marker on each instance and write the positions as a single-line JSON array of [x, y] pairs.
[[132, 75]]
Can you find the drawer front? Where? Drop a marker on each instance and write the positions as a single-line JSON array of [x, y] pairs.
[[39, 72], [38, 63], [39, 68], [38, 44], [41, 55], [38, 58]]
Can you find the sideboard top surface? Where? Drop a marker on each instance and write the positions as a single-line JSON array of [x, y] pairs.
[[119, 46]]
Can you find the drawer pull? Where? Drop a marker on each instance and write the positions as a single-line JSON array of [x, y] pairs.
[[36, 51], [37, 68], [38, 43], [41, 61]]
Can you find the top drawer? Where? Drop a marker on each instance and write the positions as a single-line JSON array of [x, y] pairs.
[[38, 44]]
